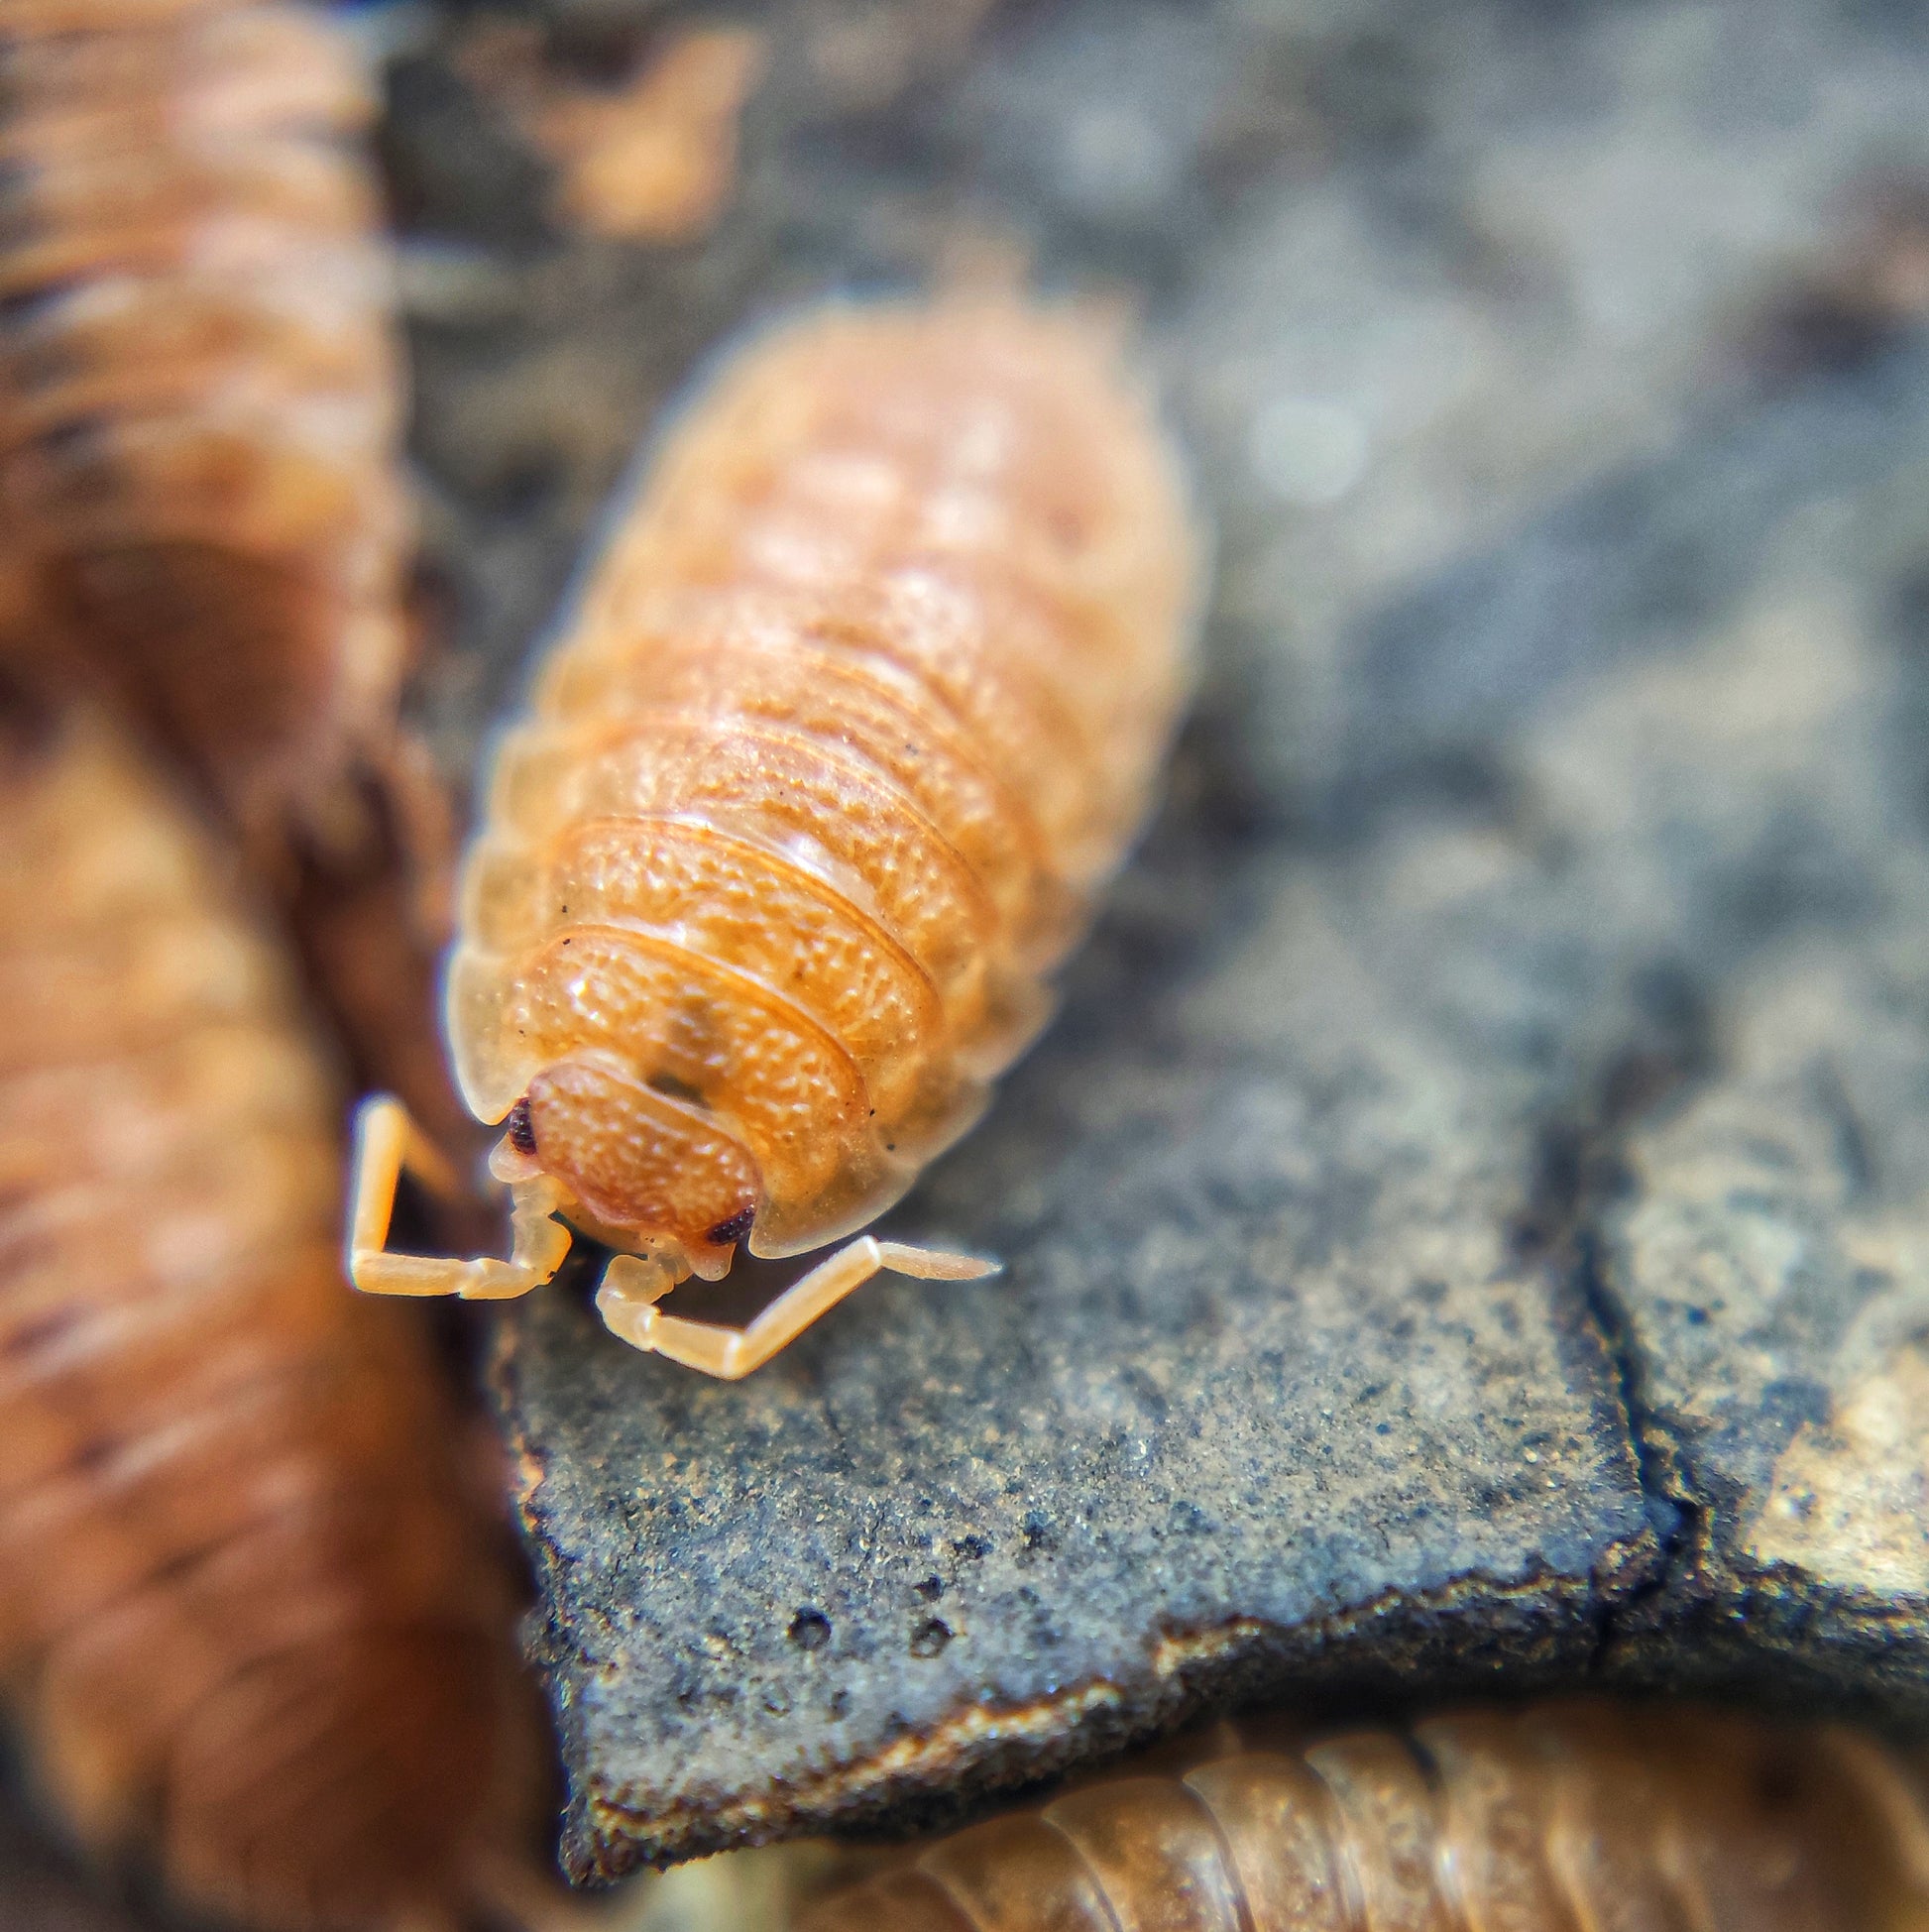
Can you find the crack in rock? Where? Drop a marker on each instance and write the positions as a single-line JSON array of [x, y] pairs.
[[1551, 815]]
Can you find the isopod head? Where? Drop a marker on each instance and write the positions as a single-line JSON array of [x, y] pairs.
[[643, 1171]]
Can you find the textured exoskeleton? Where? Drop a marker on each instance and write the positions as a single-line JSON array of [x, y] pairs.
[[250, 1621], [200, 409], [199, 393], [861, 703], [1565, 1818]]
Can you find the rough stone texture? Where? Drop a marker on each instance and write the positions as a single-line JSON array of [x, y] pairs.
[[1267, 1395], [1467, 1229], [1766, 1249]]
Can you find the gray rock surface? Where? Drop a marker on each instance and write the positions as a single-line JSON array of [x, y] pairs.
[[1467, 1230], [1267, 1396]]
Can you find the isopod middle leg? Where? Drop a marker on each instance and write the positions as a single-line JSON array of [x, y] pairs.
[[632, 1286], [388, 1144]]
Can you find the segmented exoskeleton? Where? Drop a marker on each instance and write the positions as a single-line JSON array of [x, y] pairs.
[[861, 703], [1566, 1818], [199, 393], [200, 407], [247, 1621]]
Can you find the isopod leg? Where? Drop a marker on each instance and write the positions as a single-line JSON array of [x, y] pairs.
[[388, 1144], [632, 1286]]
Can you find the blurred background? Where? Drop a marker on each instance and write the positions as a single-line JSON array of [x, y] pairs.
[[1413, 272], [1509, 337]]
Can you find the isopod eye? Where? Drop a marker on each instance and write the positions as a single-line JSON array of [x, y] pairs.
[[734, 1229], [522, 1129]]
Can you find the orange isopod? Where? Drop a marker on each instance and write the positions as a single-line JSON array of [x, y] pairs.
[[201, 404], [860, 706], [199, 389], [1564, 1818], [248, 1623]]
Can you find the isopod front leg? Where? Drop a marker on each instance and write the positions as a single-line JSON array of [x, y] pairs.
[[632, 1286], [388, 1144]]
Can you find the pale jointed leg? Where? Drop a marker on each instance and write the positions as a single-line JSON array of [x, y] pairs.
[[632, 1286], [388, 1144]]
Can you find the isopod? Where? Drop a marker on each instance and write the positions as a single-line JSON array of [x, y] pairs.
[[860, 704], [248, 1623], [1562, 1818], [199, 391], [201, 403]]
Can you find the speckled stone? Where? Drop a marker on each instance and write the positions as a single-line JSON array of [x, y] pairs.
[[1268, 1398], [1466, 1230]]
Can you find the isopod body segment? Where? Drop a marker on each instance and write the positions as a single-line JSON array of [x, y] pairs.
[[249, 1625], [199, 389], [860, 706], [200, 418], [1561, 1818]]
